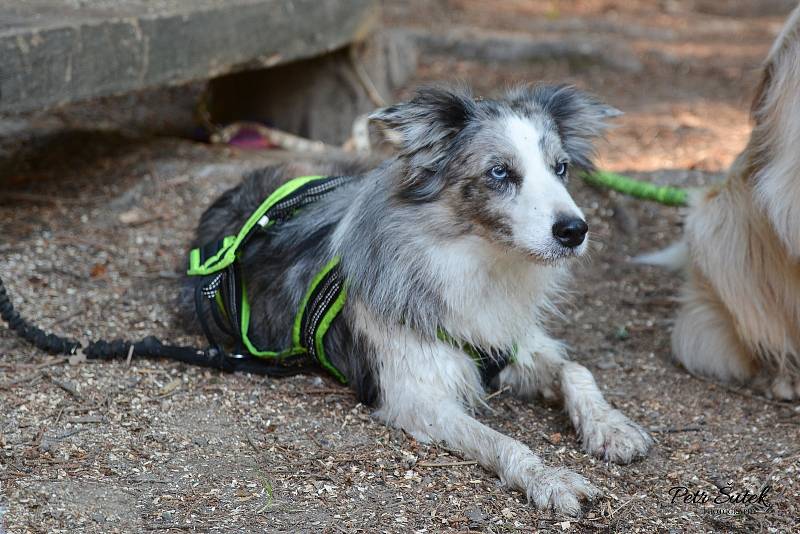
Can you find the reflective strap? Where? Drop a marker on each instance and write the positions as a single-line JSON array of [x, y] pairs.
[[294, 350], [227, 254], [322, 303]]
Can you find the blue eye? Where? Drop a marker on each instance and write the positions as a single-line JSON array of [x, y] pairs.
[[561, 169], [499, 172]]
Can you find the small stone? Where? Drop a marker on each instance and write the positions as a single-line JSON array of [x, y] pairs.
[[622, 333], [475, 515], [607, 364]]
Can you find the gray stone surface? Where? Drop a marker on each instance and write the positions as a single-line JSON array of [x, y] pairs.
[[58, 51], [510, 47], [318, 98]]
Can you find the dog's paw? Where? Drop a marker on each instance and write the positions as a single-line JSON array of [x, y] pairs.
[[785, 388], [615, 438], [559, 489]]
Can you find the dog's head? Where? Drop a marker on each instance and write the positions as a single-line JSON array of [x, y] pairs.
[[501, 166]]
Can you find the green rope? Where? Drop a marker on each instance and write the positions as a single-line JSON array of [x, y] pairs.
[[671, 196]]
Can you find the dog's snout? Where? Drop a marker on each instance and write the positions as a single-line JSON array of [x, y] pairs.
[[570, 231]]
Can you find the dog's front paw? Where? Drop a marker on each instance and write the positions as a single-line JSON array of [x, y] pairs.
[[785, 388], [558, 489], [615, 438]]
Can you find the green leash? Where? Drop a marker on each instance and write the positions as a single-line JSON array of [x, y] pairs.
[[670, 196]]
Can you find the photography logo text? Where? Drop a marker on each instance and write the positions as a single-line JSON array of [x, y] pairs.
[[724, 500]]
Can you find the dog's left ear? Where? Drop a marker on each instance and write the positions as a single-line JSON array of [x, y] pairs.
[[580, 117], [422, 129]]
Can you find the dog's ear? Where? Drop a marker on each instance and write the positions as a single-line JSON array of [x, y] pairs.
[[421, 129], [579, 117]]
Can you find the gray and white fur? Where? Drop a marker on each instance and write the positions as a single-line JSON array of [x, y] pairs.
[[468, 229]]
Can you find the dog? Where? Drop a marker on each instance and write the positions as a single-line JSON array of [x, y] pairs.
[[468, 229], [739, 321]]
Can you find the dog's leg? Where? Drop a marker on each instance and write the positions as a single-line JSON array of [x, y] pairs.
[[423, 389], [704, 338], [541, 368]]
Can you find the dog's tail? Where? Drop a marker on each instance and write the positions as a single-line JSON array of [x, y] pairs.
[[674, 258]]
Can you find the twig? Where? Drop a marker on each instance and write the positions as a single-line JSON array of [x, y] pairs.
[[252, 443], [51, 362], [145, 480], [325, 391], [27, 378], [277, 137], [155, 218], [69, 388], [312, 438], [620, 507], [90, 419], [47, 199], [446, 464], [675, 430], [64, 318], [66, 434], [58, 417], [496, 393], [364, 78]]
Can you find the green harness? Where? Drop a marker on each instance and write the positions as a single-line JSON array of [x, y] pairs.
[[223, 289], [218, 265]]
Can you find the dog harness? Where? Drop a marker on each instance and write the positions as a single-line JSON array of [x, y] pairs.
[[223, 289]]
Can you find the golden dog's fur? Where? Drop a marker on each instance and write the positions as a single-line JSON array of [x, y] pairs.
[[740, 315]]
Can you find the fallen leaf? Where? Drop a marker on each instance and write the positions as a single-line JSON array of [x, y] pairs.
[[98, 270], [169, 388], [133, 216]]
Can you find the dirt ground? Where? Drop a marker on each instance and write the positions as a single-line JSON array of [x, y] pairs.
[[94, 227]]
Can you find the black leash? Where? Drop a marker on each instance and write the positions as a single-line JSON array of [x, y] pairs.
[[149, 347]]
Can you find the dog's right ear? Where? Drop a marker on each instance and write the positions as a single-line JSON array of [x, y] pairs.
[[421, 130], [431, 117]]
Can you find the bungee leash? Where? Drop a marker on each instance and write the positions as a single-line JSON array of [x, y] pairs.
[[149, 347], [663, 194]]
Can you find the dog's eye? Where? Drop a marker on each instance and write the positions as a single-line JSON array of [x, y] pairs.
[[499, 172], [561, 169]]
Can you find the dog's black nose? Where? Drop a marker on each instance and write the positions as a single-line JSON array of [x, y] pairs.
[[570, 232]]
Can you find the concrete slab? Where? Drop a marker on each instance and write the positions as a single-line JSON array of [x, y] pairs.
[[58, 51]]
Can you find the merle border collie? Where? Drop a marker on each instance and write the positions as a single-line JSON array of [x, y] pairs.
[[469, 229]]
